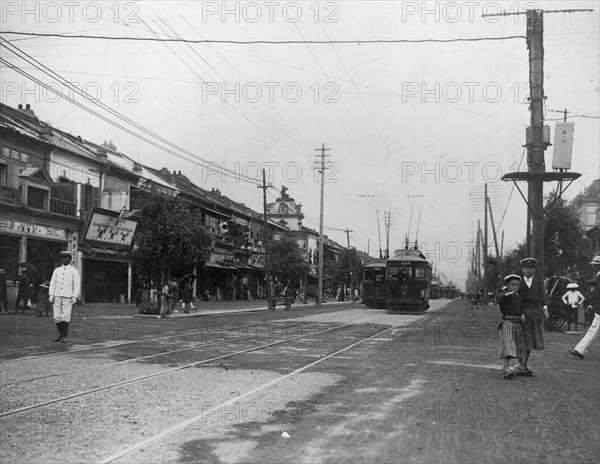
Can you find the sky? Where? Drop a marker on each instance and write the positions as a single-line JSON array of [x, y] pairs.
[[413, 128]]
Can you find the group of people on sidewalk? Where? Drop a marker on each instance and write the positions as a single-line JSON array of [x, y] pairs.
[[174, 292], [524, 309]]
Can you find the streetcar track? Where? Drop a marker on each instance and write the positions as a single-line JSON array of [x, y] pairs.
[[116, 345], [188, 422], [157, 374], [162, 353]]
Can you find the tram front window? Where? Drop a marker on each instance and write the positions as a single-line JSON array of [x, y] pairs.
[[420, 271], [401, 272]]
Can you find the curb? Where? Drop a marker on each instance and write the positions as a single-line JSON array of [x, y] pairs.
[[201, 314]]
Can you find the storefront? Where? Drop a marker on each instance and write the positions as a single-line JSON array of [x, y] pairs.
[[35, 240], [105, 275], [106, 263]]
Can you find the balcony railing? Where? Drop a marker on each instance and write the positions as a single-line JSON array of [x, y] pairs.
[[66, 208]]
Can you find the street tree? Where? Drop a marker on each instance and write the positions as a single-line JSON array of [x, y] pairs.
[[287, 259], [169, 237], [349, 268], [565, 244]]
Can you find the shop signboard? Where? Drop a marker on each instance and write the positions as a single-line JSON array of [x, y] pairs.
[[31, 229], [110, 227]]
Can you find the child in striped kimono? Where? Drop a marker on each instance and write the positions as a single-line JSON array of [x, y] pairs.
[[512, 342]]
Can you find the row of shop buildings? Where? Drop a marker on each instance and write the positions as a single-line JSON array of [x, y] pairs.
[[61, 192]]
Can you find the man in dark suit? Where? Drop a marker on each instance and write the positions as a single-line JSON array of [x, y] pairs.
[[535, 309]]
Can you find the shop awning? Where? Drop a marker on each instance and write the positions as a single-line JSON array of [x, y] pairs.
[[217, 265], [98, 252]]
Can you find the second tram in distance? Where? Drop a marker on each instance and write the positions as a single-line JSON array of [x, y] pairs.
[[400, 284]]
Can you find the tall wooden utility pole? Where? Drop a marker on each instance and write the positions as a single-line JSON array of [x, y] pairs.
[[319, 298], [537, 137], [264, 188], [535, 143]]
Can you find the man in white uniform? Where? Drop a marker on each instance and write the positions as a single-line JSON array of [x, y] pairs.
[[63, 293], [592, 332]]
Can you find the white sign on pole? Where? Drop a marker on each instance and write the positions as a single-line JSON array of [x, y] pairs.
[[563, 145]]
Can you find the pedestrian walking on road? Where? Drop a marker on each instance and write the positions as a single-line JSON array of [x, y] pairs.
[[535, 309], [65, 286], [25, 286], [582, 347], [43, 305], [3, 291], [186, 288], [170, 295], [574, 299], [512, 342]]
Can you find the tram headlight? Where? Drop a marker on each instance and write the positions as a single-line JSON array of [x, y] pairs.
[[422, 293]]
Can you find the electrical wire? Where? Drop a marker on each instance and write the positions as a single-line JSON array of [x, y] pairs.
[[264, 42]]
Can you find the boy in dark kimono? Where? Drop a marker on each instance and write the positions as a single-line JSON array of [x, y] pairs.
[[535, 309], [512, 342]]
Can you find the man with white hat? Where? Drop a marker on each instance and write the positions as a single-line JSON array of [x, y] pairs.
[[592, 332], [64, 290], [574, 299]]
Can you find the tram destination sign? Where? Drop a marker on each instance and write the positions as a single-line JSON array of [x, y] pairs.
[[110, 227]]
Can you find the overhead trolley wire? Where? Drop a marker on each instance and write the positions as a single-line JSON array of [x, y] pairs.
[[52, 74], [264, 42]]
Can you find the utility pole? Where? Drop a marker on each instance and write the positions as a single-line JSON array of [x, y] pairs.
[[499, 266], [478, 255], [386, 222], [319, 298], [264, 188], [485, 245], [536, 143], [379, 232], [350, 262]]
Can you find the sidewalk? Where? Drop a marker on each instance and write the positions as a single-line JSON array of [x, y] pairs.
[[203, 308]]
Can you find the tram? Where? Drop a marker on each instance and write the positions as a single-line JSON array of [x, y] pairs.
[[374, 287], [408, 278], [435, 291]]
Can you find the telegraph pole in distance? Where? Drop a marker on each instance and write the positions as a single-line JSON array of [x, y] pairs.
[[485, 245], [264, 188], [350, 261], [319, 298], [379, 232]]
